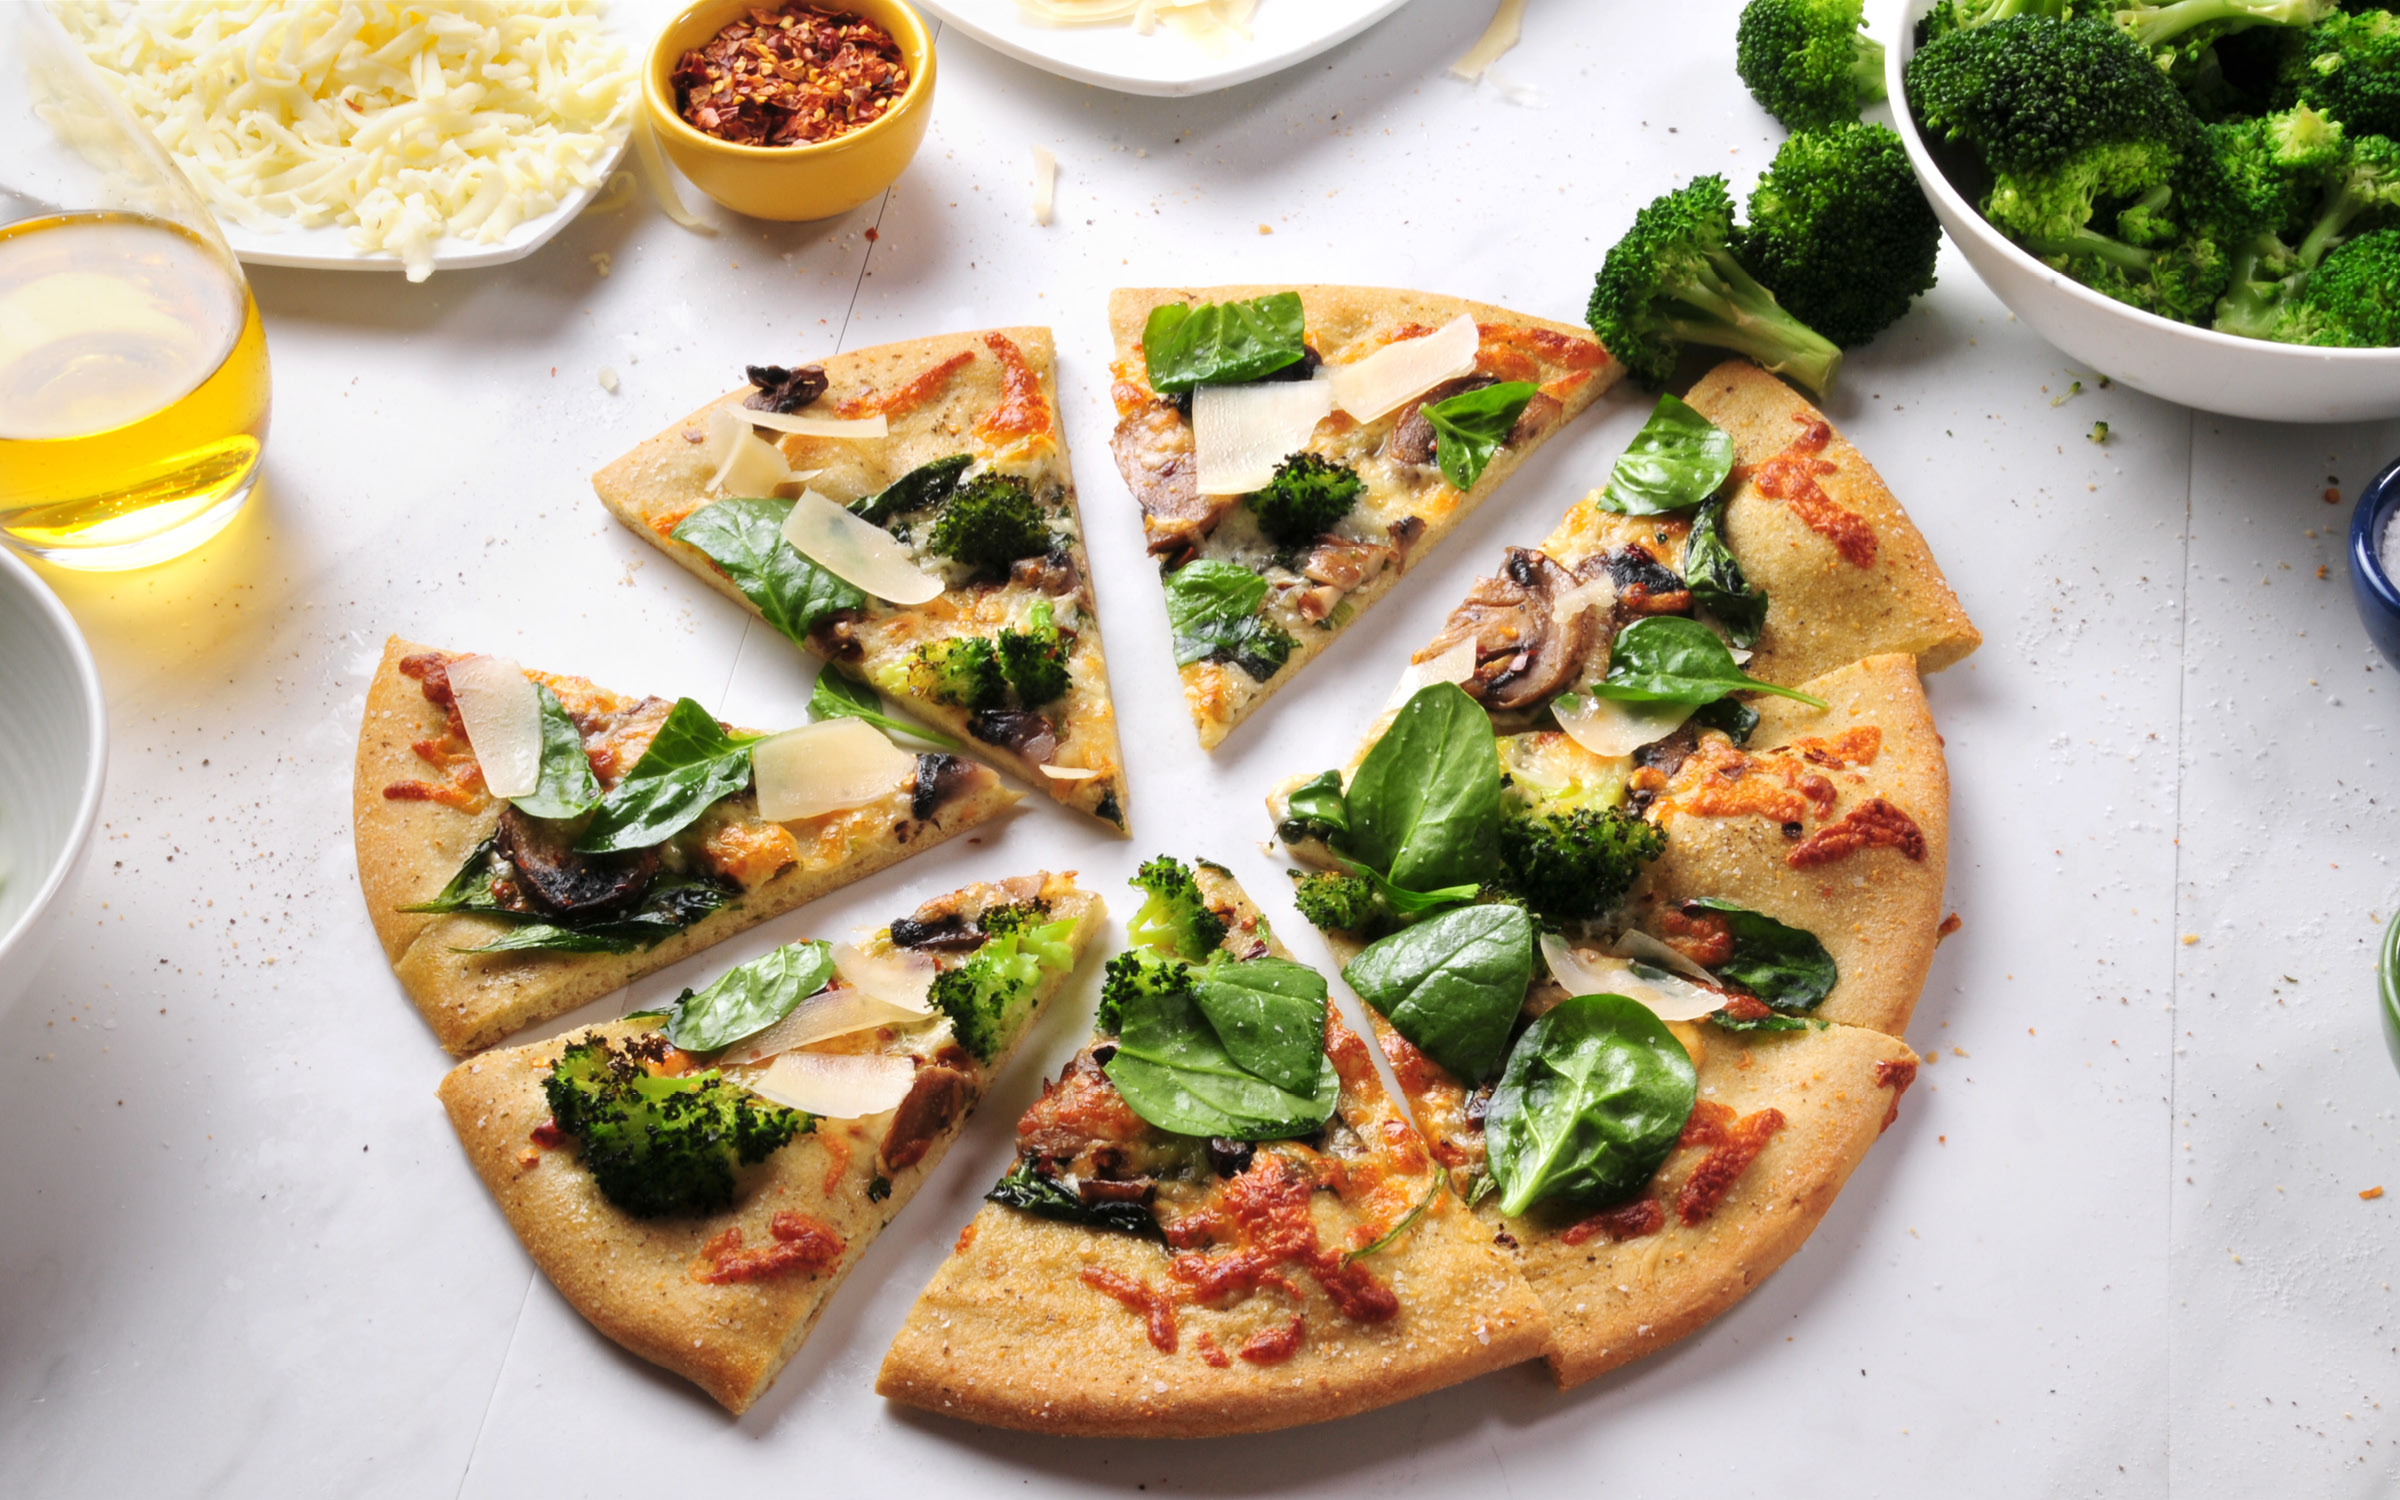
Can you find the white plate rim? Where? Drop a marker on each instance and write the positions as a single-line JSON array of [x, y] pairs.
[[1030, 42]]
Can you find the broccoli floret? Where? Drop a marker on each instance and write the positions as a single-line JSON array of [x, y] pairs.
[[1673, 280], [2352, 300], [1840, 233], [1000, 921], [1573, 866], [1137, 972], [661, 1144], [2362, 192], [990, 521], [2187, 25], [1174, 918], [1034, 660], [1958, 15], [2360, 189], [965, 672], [985, 996], [1807, 62], [1307, 495], [1334, 902], [2349, 66]]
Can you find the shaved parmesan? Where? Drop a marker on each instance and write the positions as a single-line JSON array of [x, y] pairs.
[[825, 767], [662, 182], [747, 464], [1045, 183], [503, 718], [1670, 996], [1635, 943], [1609, 728], [1454, 665], [1400, 372], [1069, 773], [1508, 24], [825, 427], [856, 551], [1241, 432], [828, 1013], [1593, 593], [838, 1085], [899, 978]]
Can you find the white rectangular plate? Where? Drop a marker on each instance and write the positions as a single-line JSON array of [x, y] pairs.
[[1283, 32]]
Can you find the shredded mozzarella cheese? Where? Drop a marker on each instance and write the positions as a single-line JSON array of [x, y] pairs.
[[404, 122]]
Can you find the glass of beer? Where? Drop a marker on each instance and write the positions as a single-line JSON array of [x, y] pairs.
[[133, 370]]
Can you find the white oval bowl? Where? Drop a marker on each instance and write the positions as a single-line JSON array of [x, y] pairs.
[[53, 762], [2175, 361]]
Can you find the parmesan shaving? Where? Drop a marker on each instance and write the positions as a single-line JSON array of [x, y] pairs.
[[875, 426], [662, 182], [857, 552], [1241, 432], [1669, 996], [1508, 24], [825, 767], [1403, 370], [747, 464], [1045, 183], [1069, 773], [899, 979], [837, 1085], [824, 1015], [1609, 728], [503, 719], [1635, 943], [1454, 665]]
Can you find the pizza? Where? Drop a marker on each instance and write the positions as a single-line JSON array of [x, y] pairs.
[[1294, 449], [638, 838], [1641, 876], [1218, 1220], [907, 512], [697, 1182]]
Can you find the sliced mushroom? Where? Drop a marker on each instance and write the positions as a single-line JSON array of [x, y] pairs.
[[1523, 652], [939, 778], [938, 1097], [1345, 565], [556, 881], [939, 932], [1404, 533], [1053, 574], [1154, 452], [783, 391], [1539, 415], [1645, 586], [1027, 734], [1412, 438]]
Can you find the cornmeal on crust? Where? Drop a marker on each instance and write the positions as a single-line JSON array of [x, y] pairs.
[[633, 1278]]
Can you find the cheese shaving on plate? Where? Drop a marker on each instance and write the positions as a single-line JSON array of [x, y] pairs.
[[1508, 24], [405, 122], [1211, 21]]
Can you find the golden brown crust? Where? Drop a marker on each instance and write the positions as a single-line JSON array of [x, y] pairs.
[[408, 850], [652, 488], [629, 1276]]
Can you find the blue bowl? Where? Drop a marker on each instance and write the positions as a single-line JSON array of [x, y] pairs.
[[2378, 597]]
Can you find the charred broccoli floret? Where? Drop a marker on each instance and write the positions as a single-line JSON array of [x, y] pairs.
[[1840, 233], [990, 521], [1000, 921], [965, 672], [1137, 973], [1307, 495], [1334, 902], [1807, 62], [1034, 660], [1174, 918], [985, 997], [1573, 866], [659, 1143]]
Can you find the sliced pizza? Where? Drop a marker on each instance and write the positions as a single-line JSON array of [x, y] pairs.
[[529, 842], [908, 513], [697, 1182], [1294, 449], [1218, 1221]]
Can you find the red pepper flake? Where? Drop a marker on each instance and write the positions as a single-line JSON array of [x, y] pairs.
[[548, 1136], [792, 77]]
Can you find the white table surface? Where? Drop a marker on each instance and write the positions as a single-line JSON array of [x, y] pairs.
[[2114, 1245]]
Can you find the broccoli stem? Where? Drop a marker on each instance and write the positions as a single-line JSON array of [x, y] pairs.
[[1735, 312], [2099, 246], [2155, 25], [2342, 204], [2249, 307], [1866, 70]]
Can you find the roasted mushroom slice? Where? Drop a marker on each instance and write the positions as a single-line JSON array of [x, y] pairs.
[[1523, 652], [557, 881]]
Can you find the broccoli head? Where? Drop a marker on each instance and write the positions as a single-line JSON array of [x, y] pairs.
[[1334, 902], [1570, 867], [2348, 65], [985, 996], [1840, 233], [2185, 26], [2352, 300], [1673, 280], [2362, 193], [1307, 495], [1135, 973], [1174, 917], [1000, 921], [1958, 15], [1807, 62], [990, 521], [660, 1143], [1034, 660], [965, 672]]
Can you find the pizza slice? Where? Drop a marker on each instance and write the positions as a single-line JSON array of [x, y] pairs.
[[1218, 1221], [1293, 449], [697, 1182], [906, 512], [635, 831]]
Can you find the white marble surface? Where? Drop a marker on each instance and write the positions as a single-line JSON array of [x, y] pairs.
[[2112, 1247]]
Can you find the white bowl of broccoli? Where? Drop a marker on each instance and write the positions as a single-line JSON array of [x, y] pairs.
[[2311, 257], [53, 759]]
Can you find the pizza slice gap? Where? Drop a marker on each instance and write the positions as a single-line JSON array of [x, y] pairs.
[[1218, 1222], [633, 836], [908, 513], [1295, 449], [697, 1182]]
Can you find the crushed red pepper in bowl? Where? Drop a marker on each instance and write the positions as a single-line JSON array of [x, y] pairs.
[[792, 77]]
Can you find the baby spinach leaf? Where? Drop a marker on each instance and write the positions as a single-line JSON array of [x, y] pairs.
[[1452, 984], [1176, 1073], [470, 889], [1408, 903], [691, 765], [671, 906], [1471, 426], [836, 696], [1771, 1021], [1221, 343], [1669, 659], [1737, 719], [1025, 1188], [1677, 460], [921, 488], [1213, 611], [1784, 966], [1717, 582], [1270, 1014], [567, 788], [744, 538], [749, 998], [1319, 805], [1591, 1101], [1425, 805], [1391, 1236]]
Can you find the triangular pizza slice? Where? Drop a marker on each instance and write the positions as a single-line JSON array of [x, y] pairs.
[[633, 834], [1295, 449], [908, 513], [698, 1182], [1218, 1221]]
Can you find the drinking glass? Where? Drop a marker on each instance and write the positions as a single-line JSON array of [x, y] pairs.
[[133, 369]]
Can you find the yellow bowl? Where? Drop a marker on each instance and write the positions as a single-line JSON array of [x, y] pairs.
[[812, 181]]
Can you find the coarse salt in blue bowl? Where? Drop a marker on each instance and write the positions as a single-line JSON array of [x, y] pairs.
[[2375, 559]]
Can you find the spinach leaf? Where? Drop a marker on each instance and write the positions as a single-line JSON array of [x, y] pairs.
[[1784, 966], [1221, 343], [691, 765], [1717, 582], [1470, 427], [670, 907], [1027, 1189], [1408, 903], [1425, 805], [744, 538], [1737, 719], [470, 889], [1452, 984], [1391, 1236], [1677, 460], [747, 999], [1593, 1097], [921, 488], [567, 788], [1669, 659], [1771, 1021], [1213, 610], [1176, 1073], [836, 696], [1270, 1014], [1318, 806]]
